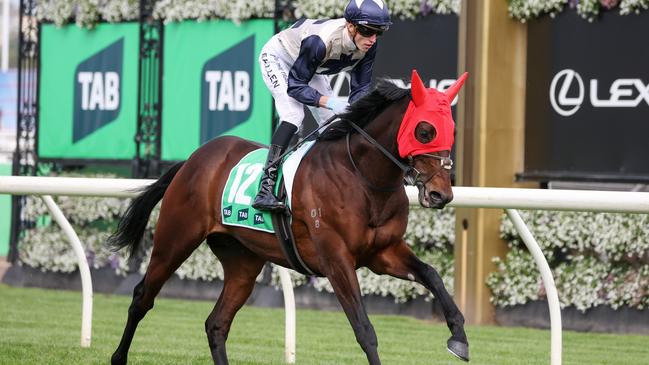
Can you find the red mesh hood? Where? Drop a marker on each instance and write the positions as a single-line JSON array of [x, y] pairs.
[[433, 107]]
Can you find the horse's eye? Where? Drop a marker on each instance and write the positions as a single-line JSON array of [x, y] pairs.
[[425, 132]]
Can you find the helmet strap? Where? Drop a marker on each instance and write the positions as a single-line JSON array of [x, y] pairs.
[[352, 33]]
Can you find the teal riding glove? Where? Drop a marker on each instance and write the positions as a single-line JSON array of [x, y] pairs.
[[336, 105]]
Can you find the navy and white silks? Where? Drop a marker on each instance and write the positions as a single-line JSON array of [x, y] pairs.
[[295, 64]]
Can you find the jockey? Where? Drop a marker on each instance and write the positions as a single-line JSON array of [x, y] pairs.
[[295, 64]]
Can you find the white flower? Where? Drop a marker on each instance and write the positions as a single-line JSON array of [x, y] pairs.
[[596, 258]]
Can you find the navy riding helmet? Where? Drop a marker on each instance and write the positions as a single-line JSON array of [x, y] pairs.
[[373, 14]]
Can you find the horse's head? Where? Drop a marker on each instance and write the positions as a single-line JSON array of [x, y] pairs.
[[426, 137]]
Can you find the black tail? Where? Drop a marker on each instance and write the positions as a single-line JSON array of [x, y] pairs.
[[132, 225]]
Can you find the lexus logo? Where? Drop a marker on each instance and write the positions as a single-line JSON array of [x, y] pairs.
[[561, 103], [623, 93]]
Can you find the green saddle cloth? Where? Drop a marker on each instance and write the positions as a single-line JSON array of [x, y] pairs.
[[240, 190]]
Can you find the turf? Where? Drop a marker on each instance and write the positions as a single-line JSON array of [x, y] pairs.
[[43, 327]]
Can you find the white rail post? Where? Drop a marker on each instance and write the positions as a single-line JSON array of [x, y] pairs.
[[289, 307], [4, 64], [548, 282], [84, 270]]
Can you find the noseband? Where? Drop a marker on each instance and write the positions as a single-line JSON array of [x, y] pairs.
[[412, 176]]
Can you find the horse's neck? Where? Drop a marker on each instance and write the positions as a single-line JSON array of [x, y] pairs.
[[373, 164]]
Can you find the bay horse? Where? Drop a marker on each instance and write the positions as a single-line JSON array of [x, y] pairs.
[[355, 186]]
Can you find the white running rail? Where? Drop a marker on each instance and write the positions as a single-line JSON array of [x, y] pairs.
[[537, 199], [465, 197]]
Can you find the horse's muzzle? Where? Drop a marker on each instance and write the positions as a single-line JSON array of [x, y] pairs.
[[438, 200], [433, 199]]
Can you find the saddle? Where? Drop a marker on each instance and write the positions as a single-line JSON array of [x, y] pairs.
[[242, 185]]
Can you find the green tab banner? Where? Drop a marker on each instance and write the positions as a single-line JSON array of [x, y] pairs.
[[88, 91], [212, 84]]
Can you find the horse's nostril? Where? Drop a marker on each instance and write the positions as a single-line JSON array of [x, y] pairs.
[[435, 196]]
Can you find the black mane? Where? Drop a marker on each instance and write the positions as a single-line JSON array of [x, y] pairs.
[[365, 109]]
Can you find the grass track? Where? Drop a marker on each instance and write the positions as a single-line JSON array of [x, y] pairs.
[[43, 327]]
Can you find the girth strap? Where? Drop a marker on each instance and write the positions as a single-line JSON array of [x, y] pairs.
[[284, 234]]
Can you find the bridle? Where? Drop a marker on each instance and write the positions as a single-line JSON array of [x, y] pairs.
[[446, 163], [412, 176]]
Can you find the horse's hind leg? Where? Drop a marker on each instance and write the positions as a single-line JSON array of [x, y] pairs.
[[399, 261], [171, 247], [240, 267]]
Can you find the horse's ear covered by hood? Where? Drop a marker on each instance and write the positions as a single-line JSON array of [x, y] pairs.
[[433, 107], [417, 89], [454, 89]]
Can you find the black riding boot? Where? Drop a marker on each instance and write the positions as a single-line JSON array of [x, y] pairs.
[[265, 199]]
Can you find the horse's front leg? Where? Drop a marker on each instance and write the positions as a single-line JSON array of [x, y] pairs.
[[399, 261], [340, 270]]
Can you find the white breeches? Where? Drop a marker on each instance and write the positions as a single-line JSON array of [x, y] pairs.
[[275, 65]]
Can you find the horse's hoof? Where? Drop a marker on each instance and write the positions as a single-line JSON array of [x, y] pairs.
[[459, 349], [117, 359]]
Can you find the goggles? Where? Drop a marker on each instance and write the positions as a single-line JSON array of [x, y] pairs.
[[368, 30]]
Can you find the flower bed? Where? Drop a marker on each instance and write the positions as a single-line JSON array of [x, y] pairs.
[[43, 246], [596, 259], [525, 10], [87, 13]]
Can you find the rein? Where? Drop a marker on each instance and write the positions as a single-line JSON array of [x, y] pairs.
[[360, 174], [411, 174], [294, 147], [385, 152]]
